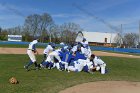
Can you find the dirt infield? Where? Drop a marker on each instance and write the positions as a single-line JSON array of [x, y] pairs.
[[98, 53], [105, 87]]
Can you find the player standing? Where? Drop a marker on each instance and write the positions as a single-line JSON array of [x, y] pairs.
[[31, 53]]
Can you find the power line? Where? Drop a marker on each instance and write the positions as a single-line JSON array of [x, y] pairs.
[[97, 18], [15, 11]]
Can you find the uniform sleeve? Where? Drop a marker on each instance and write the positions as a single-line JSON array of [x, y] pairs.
[[34, 48], [50, 47], [95, 62], [82, 50]]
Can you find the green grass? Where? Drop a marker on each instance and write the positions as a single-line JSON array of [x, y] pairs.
[[52, 81]]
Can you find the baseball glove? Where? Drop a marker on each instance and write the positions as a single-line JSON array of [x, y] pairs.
[[13, 80]]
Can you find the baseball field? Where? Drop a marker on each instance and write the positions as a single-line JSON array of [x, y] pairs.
[[123, 75]]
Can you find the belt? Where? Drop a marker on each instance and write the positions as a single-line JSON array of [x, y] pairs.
[[29, 49]]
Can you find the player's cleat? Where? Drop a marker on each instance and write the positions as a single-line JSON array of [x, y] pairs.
[[26, 68], [76, 70], [91, 72], [106, 70], [36, 68], [60, 69], [68, 71], [49, 68], [41, 66]]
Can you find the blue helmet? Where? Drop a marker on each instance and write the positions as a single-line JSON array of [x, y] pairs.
[[53, 45], [84, 39], [79, 46], [50, 43]]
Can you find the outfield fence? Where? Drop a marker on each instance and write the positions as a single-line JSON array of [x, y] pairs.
[[123, 50], [20, 43]]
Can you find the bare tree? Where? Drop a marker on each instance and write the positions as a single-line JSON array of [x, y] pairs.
[[4, 34], [15, 30], [130, 40], [68, 32], [46, 22], [38, 25], [32, 23], [54, 32], [118, 40]]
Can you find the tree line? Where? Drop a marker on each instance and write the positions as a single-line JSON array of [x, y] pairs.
[[44, 28], [128, 40]]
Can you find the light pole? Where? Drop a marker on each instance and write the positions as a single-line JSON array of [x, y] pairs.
[[139, 35], [50, 37]]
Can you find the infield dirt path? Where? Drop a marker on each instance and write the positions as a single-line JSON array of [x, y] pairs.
[[98, 53]]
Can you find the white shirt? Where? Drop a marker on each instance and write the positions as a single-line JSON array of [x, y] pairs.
[[48, 49], [74, 48], [84, 43], [98, 61], [32, 44], [56, 52], [79, 64], [86, 51], [90, 65]]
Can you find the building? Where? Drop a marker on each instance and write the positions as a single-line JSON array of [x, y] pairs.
[[100, 38]]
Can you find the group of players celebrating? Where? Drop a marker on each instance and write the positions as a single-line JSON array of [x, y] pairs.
[[76, 57]]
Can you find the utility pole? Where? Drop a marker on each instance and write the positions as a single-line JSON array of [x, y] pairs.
[[121, 36], [110, 39], [139, 35], [50, 37]]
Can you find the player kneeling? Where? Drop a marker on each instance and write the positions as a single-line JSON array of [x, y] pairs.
[[99, 64]]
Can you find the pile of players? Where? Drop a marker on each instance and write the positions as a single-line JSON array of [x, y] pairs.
[[76, 57]]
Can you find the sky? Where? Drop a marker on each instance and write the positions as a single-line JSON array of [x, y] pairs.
[[91, 15]]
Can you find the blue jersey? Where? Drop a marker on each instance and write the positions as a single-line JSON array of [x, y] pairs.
[[79, 55], [67, 56], [60, 54]]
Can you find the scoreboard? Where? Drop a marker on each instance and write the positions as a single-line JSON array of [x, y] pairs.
[[14, 37]]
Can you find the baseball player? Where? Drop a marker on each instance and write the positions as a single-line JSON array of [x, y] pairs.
[[98, 63], [84, 42], [51, 59], [79, 54], [50, 47], [74, 48], [86, 51], [66, 58], [31, 53], [77, 66]]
